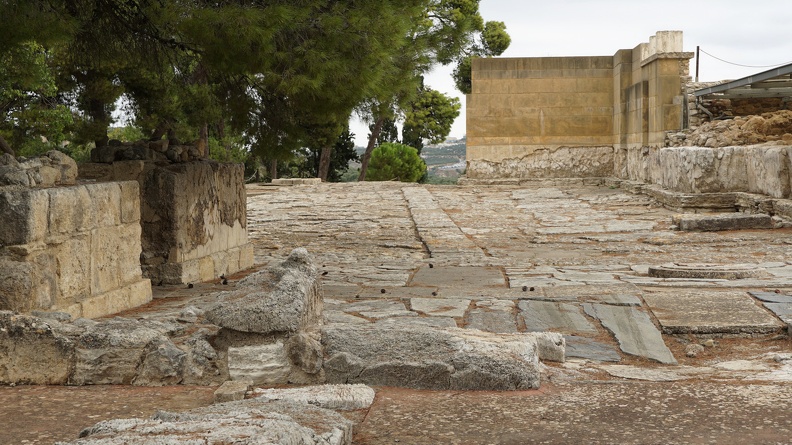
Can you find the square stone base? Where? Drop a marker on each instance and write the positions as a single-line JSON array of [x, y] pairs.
[[121, 299], [207, 268]]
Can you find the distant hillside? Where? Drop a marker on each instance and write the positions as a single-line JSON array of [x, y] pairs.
[[445, 160]]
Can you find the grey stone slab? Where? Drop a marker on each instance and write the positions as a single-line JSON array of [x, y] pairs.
[[342, 317], [771, 297], [441, 307], [458, 276], [709, 312], [550, 316], [633, 330], [722, 221], [592, 292], [782, 311], [491, 321], [406, 322], [582, 347]]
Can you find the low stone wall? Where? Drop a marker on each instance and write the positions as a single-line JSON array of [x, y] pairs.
[[761, 169], [193, 216], [560, 162], [71, 249]]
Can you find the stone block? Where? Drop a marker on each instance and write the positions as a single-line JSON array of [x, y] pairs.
[[106, 198], [722, 221], [73, 259], [262, 364], [220, 263], [32, 352], [206, 269], [16, 285], [24, 215], [130, 202], [70, 211], [232, 390]]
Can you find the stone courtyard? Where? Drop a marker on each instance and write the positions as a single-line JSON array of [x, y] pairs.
[[702, 357]]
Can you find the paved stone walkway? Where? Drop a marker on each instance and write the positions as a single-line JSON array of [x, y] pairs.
[[646, 356]]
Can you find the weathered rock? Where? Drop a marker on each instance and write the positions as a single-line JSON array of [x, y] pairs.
[[202, 364], [232, 391], [247, 421], [32, 351], [290, 300], [423, 357], [722, 221], [634, 331], [163, 364], [343, 397]]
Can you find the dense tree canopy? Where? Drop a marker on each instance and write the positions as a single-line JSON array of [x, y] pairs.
[[396, 162], [275, 76]]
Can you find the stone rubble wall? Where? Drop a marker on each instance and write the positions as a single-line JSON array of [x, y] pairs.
[[53, 168], [73, 249], [193, 217]]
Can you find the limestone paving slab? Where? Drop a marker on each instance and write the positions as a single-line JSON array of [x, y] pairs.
[[550, 316], [587, 348], [440, 307], [456, 276], [709, 312], [633, 330], [771, 297], [491, 321]]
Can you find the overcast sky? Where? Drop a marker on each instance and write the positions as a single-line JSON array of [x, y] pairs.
[[755, 33]]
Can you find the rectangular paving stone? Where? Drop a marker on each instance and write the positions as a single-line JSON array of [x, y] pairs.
[[550, 316], [782, 311], [582, 347], [458, 276], [709, 312], [633, 330], [771, 297], [491, 321], [440, 307]]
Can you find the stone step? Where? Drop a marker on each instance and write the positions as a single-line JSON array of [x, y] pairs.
[[722, 221]]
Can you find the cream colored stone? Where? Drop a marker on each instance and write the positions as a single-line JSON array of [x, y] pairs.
[[206, 269], [73, 259], [70, 211], [261, 364], [130, 202], [246, 259], [106, 198]]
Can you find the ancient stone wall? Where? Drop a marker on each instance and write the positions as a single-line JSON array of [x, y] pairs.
[[193, 217], [73, 249], [578, 116]]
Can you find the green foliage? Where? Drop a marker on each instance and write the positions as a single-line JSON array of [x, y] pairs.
[[492, 41], [391, 161], [430, 117], [228, 150], [128, 133]]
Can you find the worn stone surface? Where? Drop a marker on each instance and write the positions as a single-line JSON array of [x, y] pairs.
[[340, 397], [286, 298], [709, 312], [707, 271], [441, 307], [424, 357], [582, 347], [491, 321], [557, 317], [633, 330], [246, 421], [232, 391], [723, 221]]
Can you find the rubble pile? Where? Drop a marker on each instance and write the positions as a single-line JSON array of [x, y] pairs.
[[773, 128]]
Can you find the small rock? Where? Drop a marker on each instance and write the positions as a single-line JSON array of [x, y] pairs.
[[693, 350], [708, 343]]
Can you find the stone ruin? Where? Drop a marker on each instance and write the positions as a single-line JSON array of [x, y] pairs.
[[268, 330], [65, 246]]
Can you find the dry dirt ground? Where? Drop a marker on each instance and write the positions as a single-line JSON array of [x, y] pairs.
[[384, 247]]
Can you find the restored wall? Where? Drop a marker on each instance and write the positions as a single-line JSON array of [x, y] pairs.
[[72, 249], [193, 217], [574, 116]]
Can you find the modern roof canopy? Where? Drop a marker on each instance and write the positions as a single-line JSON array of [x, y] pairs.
[[776, 82]]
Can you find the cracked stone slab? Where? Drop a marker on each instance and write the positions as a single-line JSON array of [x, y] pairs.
[[406, 322], [440, 307], [542, 316], [377, 309], [458, 276], [633, 330], [771, 297], [587, 348], [491, 321], [709, 312], [622, 294]]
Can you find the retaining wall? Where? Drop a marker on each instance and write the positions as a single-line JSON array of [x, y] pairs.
[[71, 249]]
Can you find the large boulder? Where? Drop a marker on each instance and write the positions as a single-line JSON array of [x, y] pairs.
[[284, 299], [247, 421], [429, 358], [31, 351]]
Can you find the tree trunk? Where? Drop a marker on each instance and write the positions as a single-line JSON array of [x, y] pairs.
[[273, 169], [5, 148], [375, 132], [203, 141], [324, 162], [99, 114], [159, 132]]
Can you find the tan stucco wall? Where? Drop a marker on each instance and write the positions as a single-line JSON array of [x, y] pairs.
[[521, 108]]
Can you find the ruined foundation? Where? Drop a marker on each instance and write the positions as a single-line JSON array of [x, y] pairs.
[[193, 217], [72, 249]]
